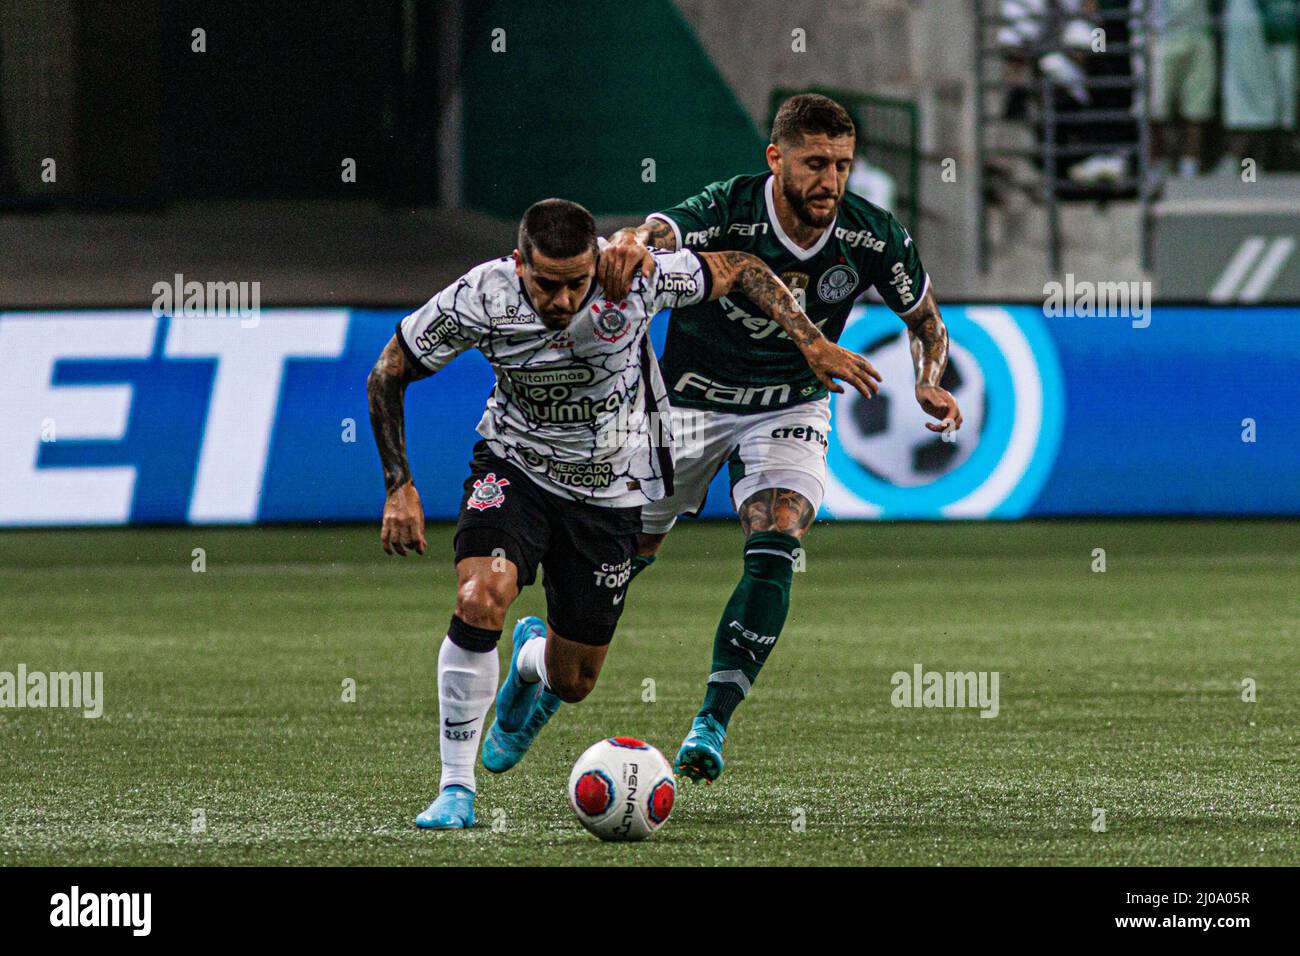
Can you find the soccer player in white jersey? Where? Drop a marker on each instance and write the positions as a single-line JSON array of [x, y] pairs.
[[546, 487]]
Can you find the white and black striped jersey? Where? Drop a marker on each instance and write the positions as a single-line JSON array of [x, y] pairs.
[[574, 408]]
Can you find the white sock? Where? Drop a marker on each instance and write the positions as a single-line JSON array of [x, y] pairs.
[[532, 662], [467, 682]]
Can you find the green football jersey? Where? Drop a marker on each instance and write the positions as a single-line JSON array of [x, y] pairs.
[[726, 354]]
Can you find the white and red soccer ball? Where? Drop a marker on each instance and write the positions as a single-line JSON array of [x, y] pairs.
[[622, 789]]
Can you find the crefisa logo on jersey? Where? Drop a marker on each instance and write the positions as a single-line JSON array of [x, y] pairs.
[[902, 282], [1004, 372], [701, 237], [610, 323], [837, 284], [488, 492], [860, 237]]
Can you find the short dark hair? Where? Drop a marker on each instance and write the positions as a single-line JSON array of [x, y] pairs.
[[559, 229], [810, 114]]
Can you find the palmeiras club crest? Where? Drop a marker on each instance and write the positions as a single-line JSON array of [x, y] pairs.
[[837, 283], [488, 492], [610, 323]]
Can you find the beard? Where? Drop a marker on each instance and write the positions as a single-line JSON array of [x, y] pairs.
[[804, 213]]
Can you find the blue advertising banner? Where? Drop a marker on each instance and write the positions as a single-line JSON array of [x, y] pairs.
[[125, 417]]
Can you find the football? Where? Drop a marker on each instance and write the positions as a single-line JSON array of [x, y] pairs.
[[622, 789], [887, 436]]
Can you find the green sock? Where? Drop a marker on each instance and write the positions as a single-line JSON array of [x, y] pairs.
[[639, 563], [751, 622]]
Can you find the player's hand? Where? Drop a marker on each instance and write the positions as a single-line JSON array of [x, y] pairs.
[[619, 262], [403, 521], [828, 362], [939, 404]]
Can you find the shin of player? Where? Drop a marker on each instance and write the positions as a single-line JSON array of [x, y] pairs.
[[468, 671], [751, 622]]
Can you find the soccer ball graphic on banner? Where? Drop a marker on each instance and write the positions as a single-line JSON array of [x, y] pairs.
[[887, 437], [622, 789]]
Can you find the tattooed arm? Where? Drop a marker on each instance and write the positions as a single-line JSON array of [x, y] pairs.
[[654, 232], [386, 392], [628, 251], [751, 275], [929, 340]]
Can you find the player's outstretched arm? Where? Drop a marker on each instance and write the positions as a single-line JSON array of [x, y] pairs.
[[628, 251], [929, 340], [403, 526], [752, 276]]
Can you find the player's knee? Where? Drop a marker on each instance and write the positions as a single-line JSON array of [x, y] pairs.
[[779, 509], [574, 683], [792, 513], [483, 601], [788, 523]]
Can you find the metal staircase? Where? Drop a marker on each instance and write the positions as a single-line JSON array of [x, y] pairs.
[[1116, 69]]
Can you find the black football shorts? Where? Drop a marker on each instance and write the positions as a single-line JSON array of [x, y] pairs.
[[585, 551]]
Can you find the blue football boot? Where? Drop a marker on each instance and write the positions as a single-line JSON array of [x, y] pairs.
[[700, 757], [503, 749], [515, 698], [453, 810]]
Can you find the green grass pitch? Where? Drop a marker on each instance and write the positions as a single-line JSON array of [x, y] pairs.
[[1119, 690]]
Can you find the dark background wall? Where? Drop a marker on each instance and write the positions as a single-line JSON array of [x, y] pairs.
[[132, 114], [283, 93], [577, 102]]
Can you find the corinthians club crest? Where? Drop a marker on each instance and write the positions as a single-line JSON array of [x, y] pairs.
[[610, 323], [488, 492]]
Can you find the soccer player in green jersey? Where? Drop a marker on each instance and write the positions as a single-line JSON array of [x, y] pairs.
[[751, 401]]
